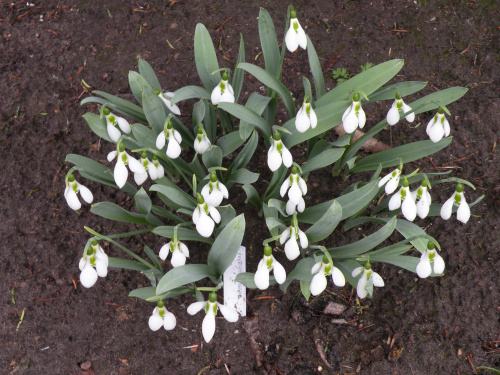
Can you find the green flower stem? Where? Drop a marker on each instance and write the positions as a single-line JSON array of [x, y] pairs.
[[275, 238], [130, 234]]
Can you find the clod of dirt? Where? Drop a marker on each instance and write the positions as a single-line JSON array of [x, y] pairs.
[[378, 353], [86, 365], [334, 308]]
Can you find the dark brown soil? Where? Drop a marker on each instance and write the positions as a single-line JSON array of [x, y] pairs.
[[448, 325]]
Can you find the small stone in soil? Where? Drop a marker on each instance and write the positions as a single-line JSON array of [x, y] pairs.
[[86, 365], [334, 308]]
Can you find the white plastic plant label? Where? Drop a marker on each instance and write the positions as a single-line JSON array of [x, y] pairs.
[[235, 294]]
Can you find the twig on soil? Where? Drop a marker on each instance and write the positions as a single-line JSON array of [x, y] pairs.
[[73, 280], [319, 347], [223, 23], [225, 365], [331, 62], [264, 297], [343, 321], [47, 299], [372, 145], [469, 358]]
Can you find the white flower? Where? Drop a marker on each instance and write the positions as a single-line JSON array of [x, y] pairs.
[[429, 261], [391, 181], [214, 191], [149, 167], [223, 92], [211, 306], [120, 172], [201, 142], [367, 281], [322, 270], [295, 36], [278, 154], [166, 97], [267, 264], [354, 116], [205, 224], [298, 189], [438, 127], [179, 253], [399, 106], [112, 121], [457, 199], [290, 236], [174, 141], [93, 263], [306, 117], [408, 207], [72, 188], [423, 199], [161, 317]]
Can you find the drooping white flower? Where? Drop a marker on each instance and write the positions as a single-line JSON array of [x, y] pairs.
[[408, 207], [112, 121], [120, 172], [391, 181], [267, 264], [179, 253], [223, 92], [94, 263], [161, 317], [166, 97], [438, 127], [297, 188], [295, 36], [174, 141], [430, 261], [289, 237], [423, 199], [306, 117], [72, 188], [149, 167], [278, 154], [457, 199], [205, 217], [354, 116], [367, 281], [320, 271], [211, 307], [214, 191], [399, 106], [201, 142]]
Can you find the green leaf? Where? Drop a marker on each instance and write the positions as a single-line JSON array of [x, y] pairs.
[[227, 214], [247, 279], [252, 196], [126, 264], [304, 288], [111, 211], [149, 293], [212, 157], [178, 276], [404, 88], [269, 214], [210, 121], [154, 109], [238, 74], [408, 153], [258, 104], [149, 74], [269, 43], [322, 160], [279, 205], [199, 111], [274, 186], [317, 72], [247, 115], [143, 202], [244, 156], [97, 125], [226, 245], [302, 271], [176, 195], [120, 105], [242, 176], [189, 92], [137, 84], [444, 97], [151, 254], [326, 225], [205, 58], [144, 135], [272, 82], [183, 234], [230, 143]]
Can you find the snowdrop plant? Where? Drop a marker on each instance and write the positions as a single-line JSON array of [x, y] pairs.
[[220, 135]]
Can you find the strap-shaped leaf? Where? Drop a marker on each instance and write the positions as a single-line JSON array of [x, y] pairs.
[[205, 58], [186, 274], [127, 264], [404, 88], [252, 196], [247, 279], [226, 245], [270, 212], [407, 262], [176, 195], [210, 121], [268, 42], [317, 72], [112, 211], [144, 135], [149, 293], [212, 157], [143, 202], [154, 110], [258, 104], [244, 156], [121, 105], [444, 97], [274, 186], [227, 214], [149, 74], [242, 176], [137, 84], [327, 224], [189, 92], [238, 74], [97, 125], [322, 160], [154, 258], [230, 143], [183, 234], [247, 115], [302, 271], [272, 82]]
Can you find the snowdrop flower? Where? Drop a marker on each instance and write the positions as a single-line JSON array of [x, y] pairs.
[[408, 207], [289, 237], [278, 154], [457, 199], [214, 191], [161, 317], [297, 188], [179, 253], [399, 106], [423, 199], [367, 281], [120, 172], [438, 127], [211, 306], [149, 167], [429, 261], [112, 121], [72, 188], [295, 36], [174, 141], [93, 263], [205, 224], [223, 92], [354, 116], [201, 142], [391, 181], [267, 264], [166, 97], [322, 270], [306, 117]]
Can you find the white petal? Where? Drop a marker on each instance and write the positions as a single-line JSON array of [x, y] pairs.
[[214, 213], [423, 208], [215, 198], [279, 272], [88, 277], [155, 321], [227, 96], [111, 155], [424, 266], [304, 242], [463, 212], [184, 249], [82, 263], [123, 124], [318, 284], [261, 277], [338, 277], [430, 124], [205, 192], [350, 122], [216, 95], [377, 280], [85, 193], [223, 189], [392, 185], [134, 165], [113, 132], [139, 178], [161, 170], [195, 307], [284, 236], [72, 199], [287, 157], [153, 171], [160, 140], [292, 250], [295, 194], [361, 287], [205, 225], [302, 122], [316, 268], [408, 207], [165, 249], [273, 159], [178, 259], [229, 313], [346, 112], [447, 208], [173, 149], [302, 37], [284, 186], [384, 179], [301, 205], [411, 116], [101, 268], [120, 173], [291, 38], [208, 326], [166, 98], [313, 118], [177, 136], [446, 126], [303, 186], [169, 321], [357, 271], [290, 207], [438, 264], [361, 118], [436, 132], [393, 115], [196, 214], [395, 201]]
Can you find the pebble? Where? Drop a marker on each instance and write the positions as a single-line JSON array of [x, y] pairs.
[[334, 308], [86, 365]]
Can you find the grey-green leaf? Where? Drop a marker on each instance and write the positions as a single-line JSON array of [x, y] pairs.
[[182, 275]]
